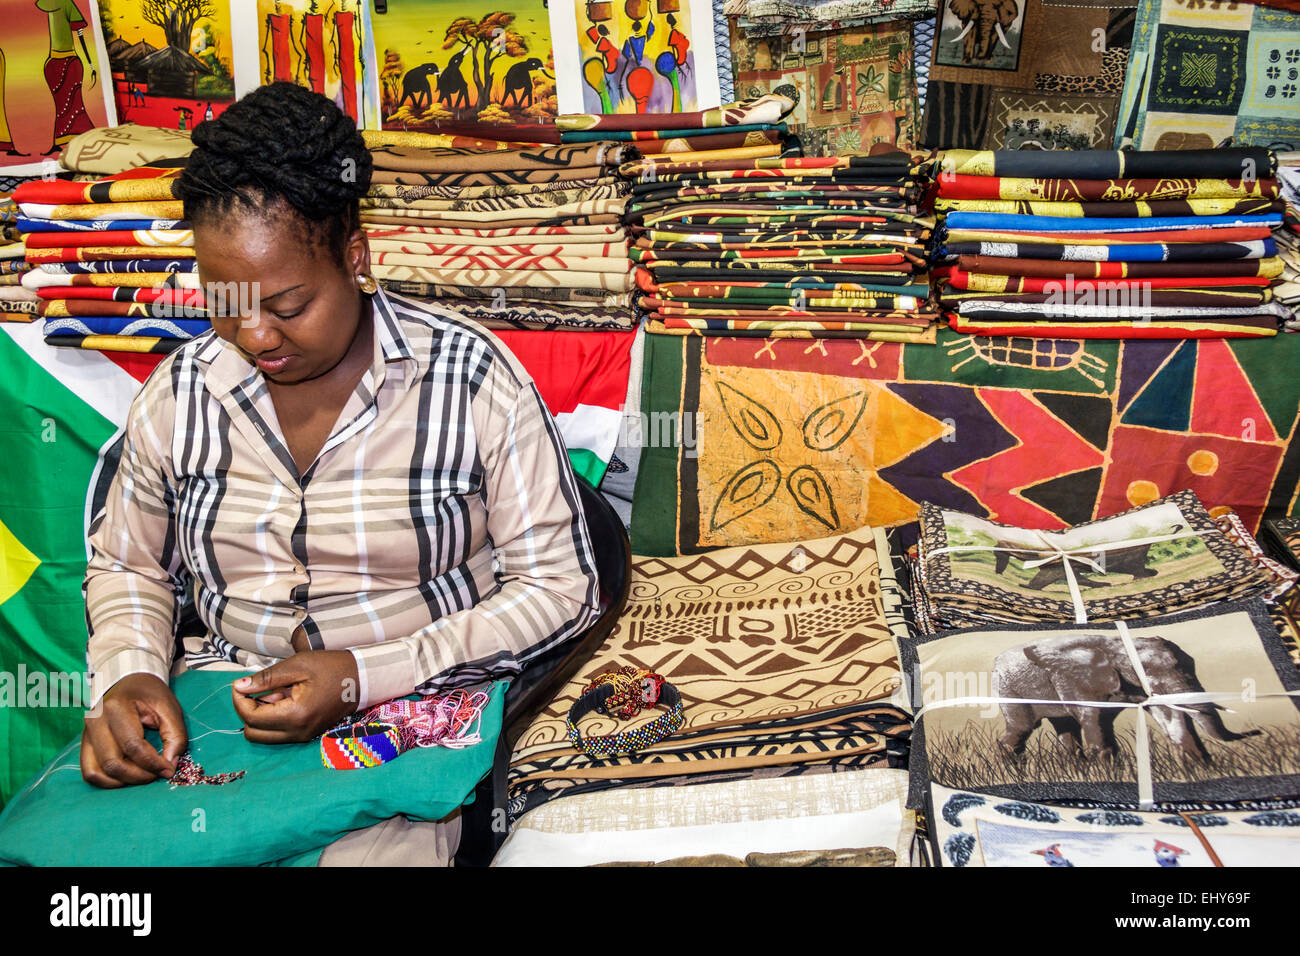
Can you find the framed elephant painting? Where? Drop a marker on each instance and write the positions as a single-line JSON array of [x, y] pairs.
[[1051, 713], [980, 34]]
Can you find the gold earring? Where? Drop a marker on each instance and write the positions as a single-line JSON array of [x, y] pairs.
[[367, 283]]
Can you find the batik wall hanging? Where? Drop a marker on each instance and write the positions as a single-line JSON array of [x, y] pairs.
[[971, 829], [457, 61], [854, 88], [1203, 74], [635, 56], [318, 44], [1035, 74], [989, 716], [54, 81], [172, 60], [783, 655], [1040, 433]]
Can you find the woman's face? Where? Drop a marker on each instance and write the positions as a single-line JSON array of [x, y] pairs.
[[290, 308]]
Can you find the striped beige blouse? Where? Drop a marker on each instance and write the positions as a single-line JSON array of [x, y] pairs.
[[438, 535]]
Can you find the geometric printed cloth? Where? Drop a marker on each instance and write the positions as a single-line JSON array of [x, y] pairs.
[[1200, 74]]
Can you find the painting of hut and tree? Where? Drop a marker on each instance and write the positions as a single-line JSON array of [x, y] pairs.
[[316, 44], [171, 60], [462, 61]]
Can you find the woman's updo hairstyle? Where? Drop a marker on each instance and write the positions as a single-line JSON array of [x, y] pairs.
[[280, 144]]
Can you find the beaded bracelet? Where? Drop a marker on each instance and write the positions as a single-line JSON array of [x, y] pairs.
[[625, 692], [360, 745]]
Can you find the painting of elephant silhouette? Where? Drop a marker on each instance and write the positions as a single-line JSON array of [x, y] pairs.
[[1096, 667], [981, 33], [519, 82], [416, 86], [452, 87]]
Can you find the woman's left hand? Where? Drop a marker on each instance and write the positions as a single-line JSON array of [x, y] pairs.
[[299, 698]]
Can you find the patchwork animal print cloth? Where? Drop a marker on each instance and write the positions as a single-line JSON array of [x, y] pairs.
[[1148, 712], [1162, 556], [783, 655]]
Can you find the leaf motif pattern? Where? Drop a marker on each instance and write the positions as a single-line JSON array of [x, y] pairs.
[[751, 487]]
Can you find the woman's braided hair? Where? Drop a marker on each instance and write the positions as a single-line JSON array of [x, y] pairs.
[[280, 144]]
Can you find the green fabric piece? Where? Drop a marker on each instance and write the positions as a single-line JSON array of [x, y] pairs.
[[654, 498], [287, 807], [588, 464], [50, 440]]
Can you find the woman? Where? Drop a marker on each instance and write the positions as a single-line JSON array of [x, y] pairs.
[[369, 496], [63, 70]]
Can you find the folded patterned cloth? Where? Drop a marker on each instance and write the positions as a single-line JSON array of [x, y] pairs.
[[489, 278], [891, 333], [192, 297], [1199, 186], [108, 150], [157, 308], [550, 262], [126, 325], [112, 237], [955, 278], [1086, 164], [996, 222], [158, 209], [1136, 252], [559, 296], [1218, 326], [484, 178], [411, 198], [540, 315], [999, 265], [763, 110], [137, 186], [453, 248], [95, 254], [642, 136], [453, 161], [37, 226], [40, 279], [120, 266], [136, 344], [1076, 211], [382, 138]]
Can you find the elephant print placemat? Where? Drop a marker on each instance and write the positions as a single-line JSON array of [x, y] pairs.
[[1050, 713], [1162, 556], [1005, 76], [970, 829]]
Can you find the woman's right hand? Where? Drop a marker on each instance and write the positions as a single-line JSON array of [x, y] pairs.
[[114, 752]]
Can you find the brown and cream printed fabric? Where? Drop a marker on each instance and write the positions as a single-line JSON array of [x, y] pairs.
[[535, 227], [1130, 714], [1006, 75], [784, 655], [1163, 556]]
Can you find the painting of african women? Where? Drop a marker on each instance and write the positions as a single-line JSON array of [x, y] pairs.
[[1029, 745]]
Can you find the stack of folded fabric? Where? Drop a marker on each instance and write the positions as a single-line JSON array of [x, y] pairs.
[[112, 262], [1166, 555], [16, 303], [749, 130], [783, 656], [1094, 244], [821, 247], [1287, 288], [526, 238]]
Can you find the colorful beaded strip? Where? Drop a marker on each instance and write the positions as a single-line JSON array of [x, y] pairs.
[[624, 692], [360, 745]]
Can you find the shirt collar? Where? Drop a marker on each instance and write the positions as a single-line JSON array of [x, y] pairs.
[[228, 368]]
